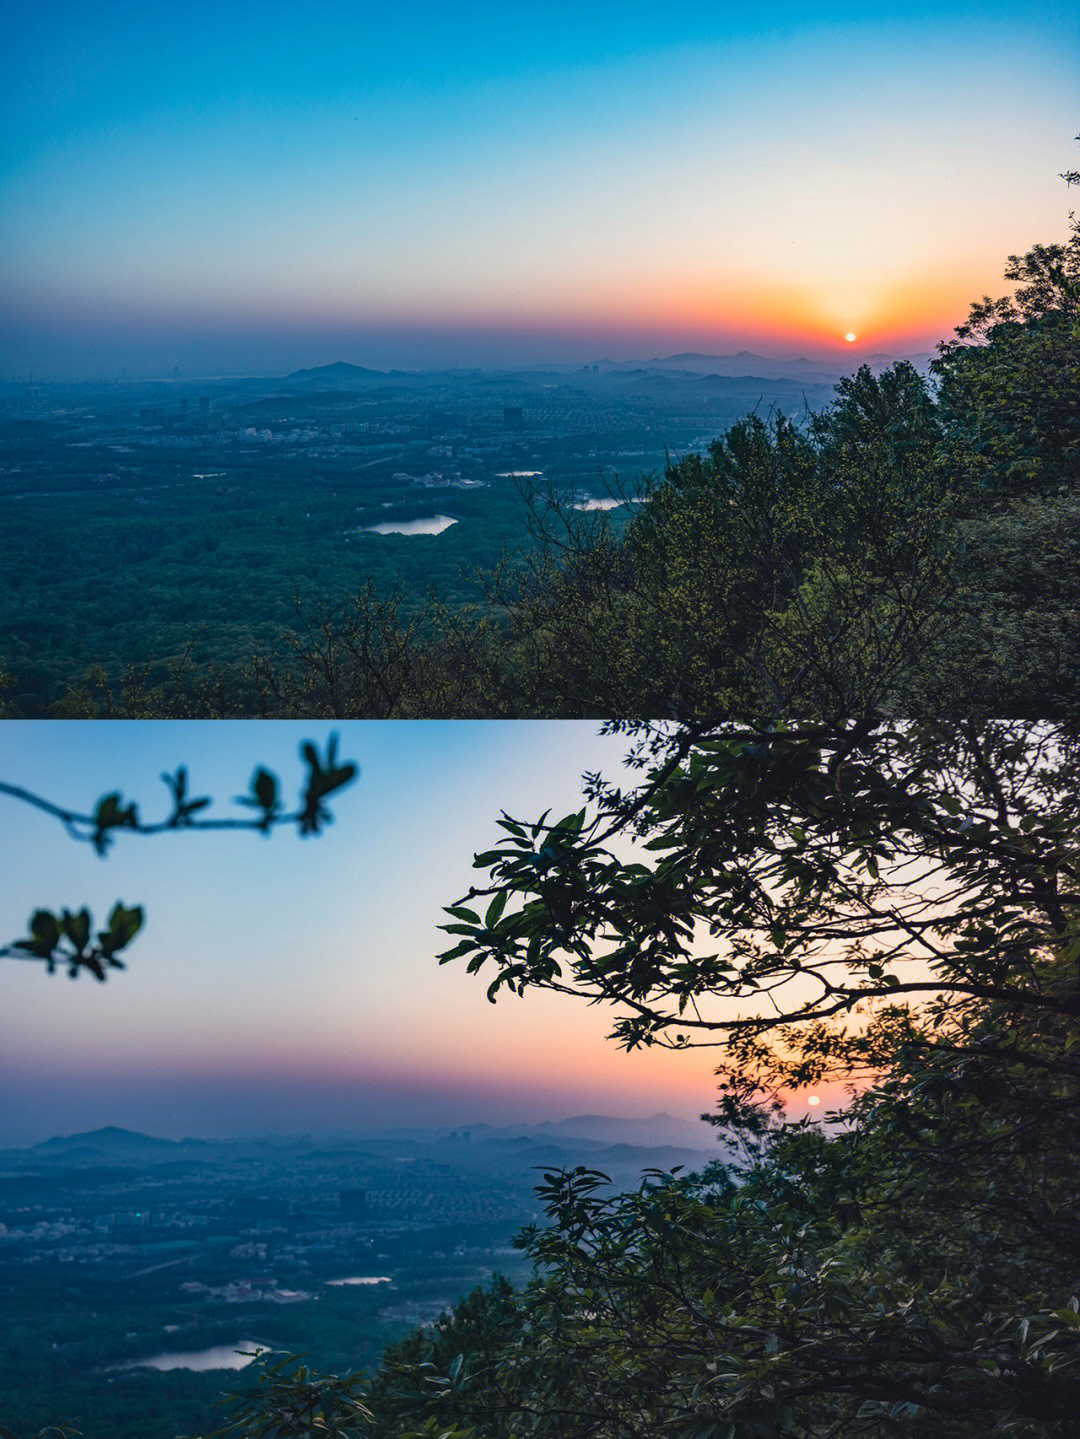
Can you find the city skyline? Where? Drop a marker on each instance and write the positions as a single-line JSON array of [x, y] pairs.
[[194, 192]]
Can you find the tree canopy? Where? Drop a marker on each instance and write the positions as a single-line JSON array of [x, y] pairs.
[[761, 883], [897, 908]]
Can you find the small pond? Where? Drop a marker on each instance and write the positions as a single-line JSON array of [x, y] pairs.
[[605, 503], [224, 1356], [429, 525]]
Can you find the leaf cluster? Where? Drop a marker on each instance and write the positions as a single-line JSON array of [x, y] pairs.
[[64, 938], [288, 1401], [768, 889]]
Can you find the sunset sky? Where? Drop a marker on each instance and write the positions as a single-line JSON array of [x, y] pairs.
[[255, 187], [289, 985]]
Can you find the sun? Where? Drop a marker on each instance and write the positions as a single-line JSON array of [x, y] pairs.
[[851, 337], [814, 1100]]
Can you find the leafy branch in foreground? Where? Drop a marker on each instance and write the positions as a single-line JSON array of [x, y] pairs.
[[767, 890], [65, 938], [289, 1401]]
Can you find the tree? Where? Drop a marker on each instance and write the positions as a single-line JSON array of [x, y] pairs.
[[66, 938], [288, 1401], [1008, 383], [797, 874], [897, 907], [782, 570]]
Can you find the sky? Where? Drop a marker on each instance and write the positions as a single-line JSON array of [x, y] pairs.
[[195, 188], [289, 985]]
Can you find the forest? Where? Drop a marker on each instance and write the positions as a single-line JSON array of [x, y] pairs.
[[912, 547]]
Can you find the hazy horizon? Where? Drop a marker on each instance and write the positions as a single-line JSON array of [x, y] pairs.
[[461, 1123], [264, 190], [842, 360]]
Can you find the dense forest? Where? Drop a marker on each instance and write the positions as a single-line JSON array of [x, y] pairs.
[[914, 547]]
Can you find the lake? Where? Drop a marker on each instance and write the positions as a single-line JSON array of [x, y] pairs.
[[429, 525], [606, 503], [224, 1356]]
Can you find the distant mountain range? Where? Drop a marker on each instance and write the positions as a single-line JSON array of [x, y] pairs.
[[665, 1138], [108, 1146], [743, 366], [108, 1138]]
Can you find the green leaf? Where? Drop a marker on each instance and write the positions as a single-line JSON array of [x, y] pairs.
[[77, 928], [488, 858], [124, 925], [264, 787], [45, 931]]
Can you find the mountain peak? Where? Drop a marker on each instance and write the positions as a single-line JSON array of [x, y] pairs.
[[111, 1135]]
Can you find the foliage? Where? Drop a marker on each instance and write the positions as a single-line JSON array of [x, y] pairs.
[[763, 882], [289, 1402], [896, 908], [908, 899], [1008, 383], [65, 938], [381, 657], [782, 570], [840, 1284], [428, 1368], [48, 929], [1013, 644]]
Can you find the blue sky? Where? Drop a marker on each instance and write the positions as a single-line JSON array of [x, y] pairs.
[[289, 985], [267, 186]]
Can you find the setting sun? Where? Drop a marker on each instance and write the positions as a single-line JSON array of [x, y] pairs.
[[850, 337]]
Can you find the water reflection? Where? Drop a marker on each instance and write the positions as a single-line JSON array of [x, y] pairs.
[[429, 525], [605, 503], [224, 1356]]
